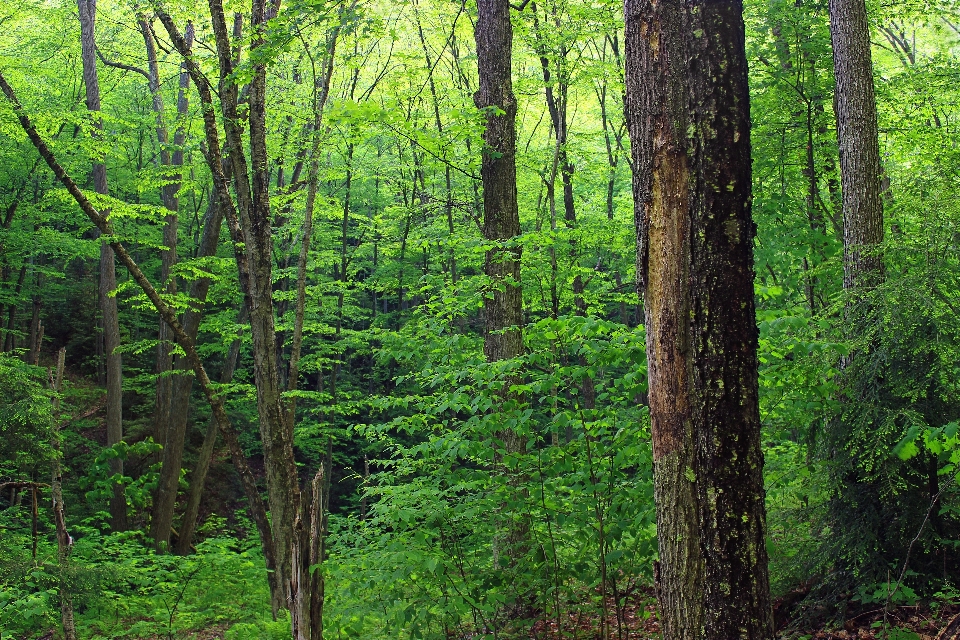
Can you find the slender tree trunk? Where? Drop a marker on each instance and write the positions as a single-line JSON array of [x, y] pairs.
[[9, 341], [199, 476], [64, 541], [108, 275], [169, 482], [35, 332], [858, 140], [503, 305], [448, 202], [170, 200], [689, 119]]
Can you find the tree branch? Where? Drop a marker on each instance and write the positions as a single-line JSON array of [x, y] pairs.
[[120, 65]]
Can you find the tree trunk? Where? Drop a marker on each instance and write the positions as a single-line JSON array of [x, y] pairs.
[[257, 510], [199, 476], [108, 275], [857, 137], [9, 341], [689, 119], [169, 481], [503, 304], [171, 202], [64, 541]]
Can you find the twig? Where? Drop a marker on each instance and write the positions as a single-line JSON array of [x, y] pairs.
[[906, 561]]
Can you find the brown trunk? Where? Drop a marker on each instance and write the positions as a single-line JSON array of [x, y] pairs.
[[166, 499], [688, 114], [108, 276], [199, 476], [64, 541], [259, 302], [173, 392], [168, 195], [276, 433], [503, 304], [857, 136]]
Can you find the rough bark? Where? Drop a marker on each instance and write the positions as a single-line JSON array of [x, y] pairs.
[[108, 275], [857, 136], [501, 217], [688, 115], [503, 303]]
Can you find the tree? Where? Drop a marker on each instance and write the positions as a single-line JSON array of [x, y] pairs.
[[503, 303], [857, 135], [108, 273], [689, 120]]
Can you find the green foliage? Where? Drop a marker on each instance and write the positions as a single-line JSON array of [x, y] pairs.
[[122, 590], [26, 417]]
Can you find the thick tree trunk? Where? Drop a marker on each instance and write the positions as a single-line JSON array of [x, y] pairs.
[[689, 120], [857, 136], [108, 275], [503, 311]]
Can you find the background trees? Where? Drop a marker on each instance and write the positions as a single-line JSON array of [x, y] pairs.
[[365, 250]]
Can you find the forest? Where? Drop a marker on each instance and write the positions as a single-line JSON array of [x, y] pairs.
[[462, 319]]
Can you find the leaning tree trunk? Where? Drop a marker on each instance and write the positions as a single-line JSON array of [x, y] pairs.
[[689, 119], [859, 146], [108, 274]]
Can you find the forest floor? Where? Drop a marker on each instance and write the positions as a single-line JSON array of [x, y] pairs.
[[638, 621]]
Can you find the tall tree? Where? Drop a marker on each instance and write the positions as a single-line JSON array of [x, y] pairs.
[[108, 274], [857, 136], [503, 304], [689, 119]]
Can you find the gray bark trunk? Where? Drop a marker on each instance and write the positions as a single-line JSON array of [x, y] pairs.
[[857, 136]]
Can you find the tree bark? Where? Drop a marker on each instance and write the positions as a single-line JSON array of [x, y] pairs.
[[503, 303], [108, 275], [689, 120], [169, 482], [857, 136], [171, 202], [199, 476], [64, 540]]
